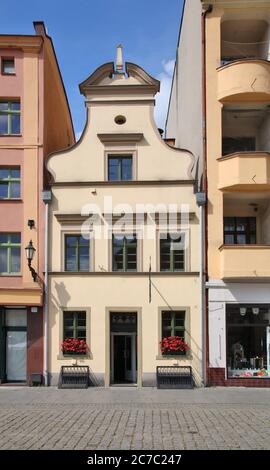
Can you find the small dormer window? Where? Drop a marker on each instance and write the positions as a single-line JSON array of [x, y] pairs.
[[8, 66], [120, 168]]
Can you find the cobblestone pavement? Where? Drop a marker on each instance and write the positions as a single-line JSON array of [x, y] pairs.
[[119, 418]]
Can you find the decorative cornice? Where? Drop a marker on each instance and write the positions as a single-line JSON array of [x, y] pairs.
[[25, 43], [94, 184], [75, 218], [105, 70], [120, 138], [140, 74], [93, 84], [125, 274]]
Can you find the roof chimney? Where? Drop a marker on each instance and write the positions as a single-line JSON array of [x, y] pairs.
[[40, 28]]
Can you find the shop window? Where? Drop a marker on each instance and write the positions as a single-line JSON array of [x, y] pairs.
[[239, 230], [248, 341]]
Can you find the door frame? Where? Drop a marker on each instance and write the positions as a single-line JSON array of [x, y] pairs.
[[126, 310], [112, 335]]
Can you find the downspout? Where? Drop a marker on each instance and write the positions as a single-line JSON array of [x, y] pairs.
[[46, 197], [204, 211]]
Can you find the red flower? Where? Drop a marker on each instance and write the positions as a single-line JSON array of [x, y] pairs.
[[173, 344], [74, 345]]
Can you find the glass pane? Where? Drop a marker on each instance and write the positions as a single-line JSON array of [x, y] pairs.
[[15, 124], [166, 324], [126, 169], [3, 260], [3, 124], [113, 169], [71, 241], [118, 258], [16, 317], [15, 238], [229, 225], [81, 319], [8, 66], [178, 260], [165, 255], [84, 258], [68, 333], [3, 106], [3, 190], [229, 239], [83, 241], [241, 226], [16, 106], [241, 239], [71, 264], [3, 238], [180, 319], [16, 352], [15, 173], [4, 173], [81, 334], [15, 190], [15, 260]]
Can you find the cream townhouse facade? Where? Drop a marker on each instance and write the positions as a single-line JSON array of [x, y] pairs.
[[120, 278]]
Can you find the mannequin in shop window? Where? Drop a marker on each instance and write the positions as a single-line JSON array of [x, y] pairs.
[[237, 355]]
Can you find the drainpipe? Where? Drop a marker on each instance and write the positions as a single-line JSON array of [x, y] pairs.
[[46, 197], [204, 224]]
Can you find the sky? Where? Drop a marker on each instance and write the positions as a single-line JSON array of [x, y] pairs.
[[86, 33]]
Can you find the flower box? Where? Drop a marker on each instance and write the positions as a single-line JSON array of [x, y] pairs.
[[74, 347], [173, 346]]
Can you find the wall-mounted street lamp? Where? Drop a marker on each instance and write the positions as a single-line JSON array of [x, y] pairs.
[[30, 253]]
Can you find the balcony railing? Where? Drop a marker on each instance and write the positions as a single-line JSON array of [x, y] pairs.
[[232, 51]]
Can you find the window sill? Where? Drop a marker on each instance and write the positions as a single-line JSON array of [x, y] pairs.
[[11, 199], [62, 357], [10, 274], [10, 135], [177, 357]]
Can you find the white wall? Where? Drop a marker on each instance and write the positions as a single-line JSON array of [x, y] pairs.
[[185, 124]]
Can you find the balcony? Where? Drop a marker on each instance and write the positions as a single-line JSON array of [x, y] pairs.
[[245, 79], [245, 162], [245, 252], [244, 35], [245, 171], [245, 261]]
